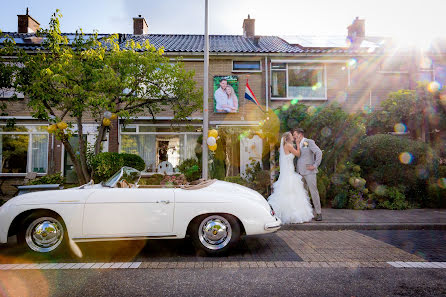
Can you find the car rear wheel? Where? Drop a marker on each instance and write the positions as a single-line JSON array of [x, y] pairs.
[[216, 233], [43, 233]]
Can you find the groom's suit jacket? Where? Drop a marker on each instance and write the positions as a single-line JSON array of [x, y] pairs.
[[310, 154]]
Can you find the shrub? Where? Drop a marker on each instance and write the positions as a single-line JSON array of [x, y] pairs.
[[357, 200], [134, 161], [236, 180], [55, 178], [436, 193], [154, 179], [399, 107], [393, 199], [334, 130], [340, 200], [174, 180], [323, 183], [257, 178], [104, 165], [349, 188], [191, 169], [395, 161]]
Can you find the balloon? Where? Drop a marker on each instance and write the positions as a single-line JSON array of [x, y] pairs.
[[213, 147], [52, 128], [107, 114], [114, 116], [213, 133], [106, 122], [211, 141], [62, 125]]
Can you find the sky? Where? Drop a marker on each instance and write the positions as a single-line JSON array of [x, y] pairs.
[[411, 20]]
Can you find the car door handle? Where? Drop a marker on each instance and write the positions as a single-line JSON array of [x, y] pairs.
[[164, 201]]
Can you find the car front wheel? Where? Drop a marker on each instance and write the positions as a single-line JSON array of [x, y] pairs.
[[216, 233], [43, 233]]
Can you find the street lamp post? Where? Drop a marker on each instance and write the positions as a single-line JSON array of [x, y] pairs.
[[205, 93]]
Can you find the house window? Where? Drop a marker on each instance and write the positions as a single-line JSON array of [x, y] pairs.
[[297, 80], [250, 66], [23, 149], [394, 65], [159, 145]]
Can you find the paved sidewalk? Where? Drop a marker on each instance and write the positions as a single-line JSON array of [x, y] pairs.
[[377, 219]]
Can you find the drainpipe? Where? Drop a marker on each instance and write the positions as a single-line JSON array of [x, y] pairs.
[[266, 84]]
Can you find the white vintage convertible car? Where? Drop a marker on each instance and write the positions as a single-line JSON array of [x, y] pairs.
[[213, 213]]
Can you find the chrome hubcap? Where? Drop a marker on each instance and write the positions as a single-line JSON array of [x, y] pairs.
[[215, 232], [44, 234]]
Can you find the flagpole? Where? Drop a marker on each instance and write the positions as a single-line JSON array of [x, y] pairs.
[[205, 94]]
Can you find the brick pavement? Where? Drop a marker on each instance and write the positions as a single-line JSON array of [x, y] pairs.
[[342, 219], [427, 244], [283, 249], [342, 246]]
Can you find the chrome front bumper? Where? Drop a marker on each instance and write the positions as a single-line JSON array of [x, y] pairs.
[[274, 225]]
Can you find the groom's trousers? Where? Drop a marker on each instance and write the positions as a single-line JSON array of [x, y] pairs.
[[311, 182]]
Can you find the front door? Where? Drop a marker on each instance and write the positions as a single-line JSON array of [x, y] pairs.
[[123, 212]]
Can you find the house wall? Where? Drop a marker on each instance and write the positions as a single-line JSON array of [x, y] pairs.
[[356, 87]]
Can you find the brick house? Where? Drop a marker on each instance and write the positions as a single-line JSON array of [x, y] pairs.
[[355, 70]]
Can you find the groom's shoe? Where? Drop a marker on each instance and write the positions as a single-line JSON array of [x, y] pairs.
[[318, 217]]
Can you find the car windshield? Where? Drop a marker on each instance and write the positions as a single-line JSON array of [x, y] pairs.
[[128, 175]]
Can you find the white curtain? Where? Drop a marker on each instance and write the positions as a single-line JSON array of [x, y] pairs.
[[189, 148], [142, 145], [39, 155]]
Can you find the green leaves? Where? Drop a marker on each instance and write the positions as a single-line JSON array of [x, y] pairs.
[[86, 75]]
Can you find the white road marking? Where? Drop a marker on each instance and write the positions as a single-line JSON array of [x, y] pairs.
[[429, 265], [135, 264], [97, 265], [87, 265], [107, 265], [117, 265]]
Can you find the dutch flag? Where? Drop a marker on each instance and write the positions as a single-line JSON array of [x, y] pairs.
[[249, 95]]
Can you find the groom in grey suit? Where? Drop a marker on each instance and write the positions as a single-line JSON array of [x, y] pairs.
[[307, 164]]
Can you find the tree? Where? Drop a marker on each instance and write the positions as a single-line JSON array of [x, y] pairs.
[[418, 111], [95, 77], [335, 131]]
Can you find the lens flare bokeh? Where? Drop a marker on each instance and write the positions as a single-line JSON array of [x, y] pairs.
[[434, 86], [400, 128], [311, 110], [405, 158], [326, 132]]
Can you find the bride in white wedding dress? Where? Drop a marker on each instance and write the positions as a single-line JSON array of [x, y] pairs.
[[289, 199]]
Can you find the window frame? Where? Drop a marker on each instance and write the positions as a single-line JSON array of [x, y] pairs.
[[235, 70], [304, 64], [30, 150], [180, 134]]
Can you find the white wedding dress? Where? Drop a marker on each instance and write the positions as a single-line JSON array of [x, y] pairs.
[[289, 199]]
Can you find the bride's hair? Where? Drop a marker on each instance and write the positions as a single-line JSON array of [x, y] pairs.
[[285, 136]]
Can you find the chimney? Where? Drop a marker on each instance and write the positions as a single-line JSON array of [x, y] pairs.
[[249, 27], [140, 26], [26, 23], [356, 31]]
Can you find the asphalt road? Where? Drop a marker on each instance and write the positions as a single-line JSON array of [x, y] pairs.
[[222, 281], [226, 282]]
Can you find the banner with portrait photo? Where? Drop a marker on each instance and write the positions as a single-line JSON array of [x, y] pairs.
[[226, 94]]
